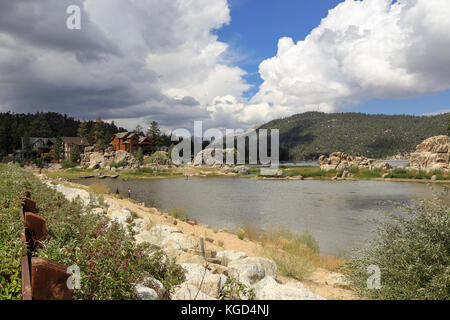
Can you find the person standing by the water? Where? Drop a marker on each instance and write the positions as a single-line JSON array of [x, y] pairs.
[[129, 193], [117, 191]]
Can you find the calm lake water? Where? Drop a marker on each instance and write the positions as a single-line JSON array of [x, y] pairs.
[[337, 213]]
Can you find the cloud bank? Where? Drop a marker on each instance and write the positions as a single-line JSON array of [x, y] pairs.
[[136, 61], [360, 51]]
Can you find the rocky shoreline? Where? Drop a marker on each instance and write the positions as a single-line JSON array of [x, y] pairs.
[[206, 275]]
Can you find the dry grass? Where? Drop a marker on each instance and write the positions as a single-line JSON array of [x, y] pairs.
[[178, 213], [99, 188], [295, 255]]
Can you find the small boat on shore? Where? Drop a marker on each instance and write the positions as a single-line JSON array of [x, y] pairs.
[[104, 176], [108, 176]]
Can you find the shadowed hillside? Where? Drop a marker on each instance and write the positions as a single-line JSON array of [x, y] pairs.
[[308, 135]]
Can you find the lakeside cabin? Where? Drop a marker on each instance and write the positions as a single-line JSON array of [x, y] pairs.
[[70, 142], [130, 142], [46, 145], [40, 145]]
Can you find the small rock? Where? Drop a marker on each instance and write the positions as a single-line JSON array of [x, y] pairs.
[[145, 293], [335, 279], [98, 211], [434, 178], [218, 269]]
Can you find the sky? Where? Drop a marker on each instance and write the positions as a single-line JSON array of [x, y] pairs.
[[231, 64]]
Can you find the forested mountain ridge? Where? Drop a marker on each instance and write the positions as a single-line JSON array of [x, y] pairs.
[[14, 126], [308, 135]]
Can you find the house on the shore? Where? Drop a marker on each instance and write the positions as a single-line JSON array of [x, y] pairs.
[[70, 142], [39, 145], [131, 142]]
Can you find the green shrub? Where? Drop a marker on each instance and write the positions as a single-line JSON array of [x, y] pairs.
[[145, 170], [67, 163], [139, 154], [234, 290], [241, 234], [122, 163], [109, 259], [158, 156], [11, 246], [412, 252]]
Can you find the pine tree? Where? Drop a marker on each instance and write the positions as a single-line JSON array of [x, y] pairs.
[[138, 130], [98, 133], [58, 149], [154, 133], [83, 129], [139, 154], [448, 126], [27, 149], [74, 154]]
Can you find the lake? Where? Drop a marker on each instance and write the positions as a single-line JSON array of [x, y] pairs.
[[337, 213]]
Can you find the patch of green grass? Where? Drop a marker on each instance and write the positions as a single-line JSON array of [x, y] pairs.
[[72, 173], [122, 163], [241, 234], [367, 174], [401, 173]]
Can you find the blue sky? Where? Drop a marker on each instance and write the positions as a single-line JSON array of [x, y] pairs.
[[257, 25]]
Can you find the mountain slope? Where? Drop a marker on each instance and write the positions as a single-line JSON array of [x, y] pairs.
[[308, 135]]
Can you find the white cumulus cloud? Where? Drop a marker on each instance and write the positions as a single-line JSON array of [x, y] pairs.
[[360, 51]]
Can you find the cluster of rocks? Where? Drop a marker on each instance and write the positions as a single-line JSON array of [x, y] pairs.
[[242, 170], [99, 160], [206, 275], [344, 161], [432, 154], [217, 158]]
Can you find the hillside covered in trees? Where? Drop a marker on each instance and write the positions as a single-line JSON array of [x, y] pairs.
[[14, 126], [308, 135]]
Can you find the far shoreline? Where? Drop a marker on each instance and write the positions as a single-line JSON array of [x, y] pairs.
[[206, 172]]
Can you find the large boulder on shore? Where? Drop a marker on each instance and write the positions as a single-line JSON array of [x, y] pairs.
[[95, 160], [74, 193], [269, 289], [432, 154], [227, 256], [190, 292], [268, 266], [253, 269], [211, 285], [164, 236], [194, 271]]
